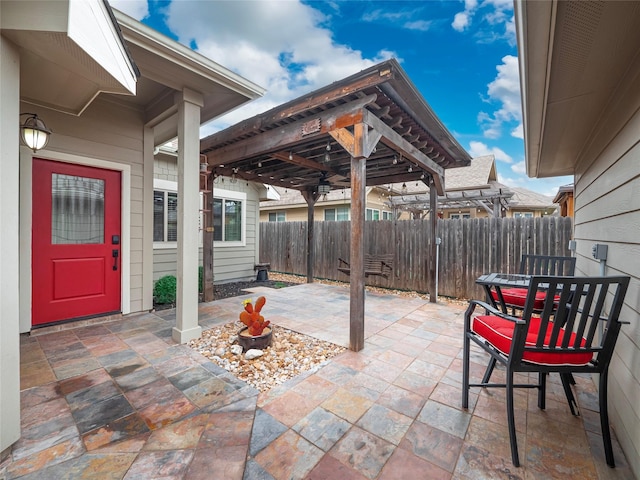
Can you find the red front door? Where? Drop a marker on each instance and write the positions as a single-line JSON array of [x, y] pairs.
[[76, 242]]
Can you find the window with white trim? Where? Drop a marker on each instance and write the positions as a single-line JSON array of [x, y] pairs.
[[458, 216], [339, 214], [523, 214], [373, 214], [165, 216], [387, 215], [229, 218], [277, 217]]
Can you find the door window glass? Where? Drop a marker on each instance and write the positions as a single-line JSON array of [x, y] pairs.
[[77, 209]]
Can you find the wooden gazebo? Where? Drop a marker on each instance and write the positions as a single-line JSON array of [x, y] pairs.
[[371, 128]]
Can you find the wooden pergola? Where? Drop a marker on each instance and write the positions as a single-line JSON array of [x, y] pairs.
[[492, 200], [371, 128]]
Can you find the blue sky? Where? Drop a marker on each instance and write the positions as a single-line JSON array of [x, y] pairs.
[[461, 56]]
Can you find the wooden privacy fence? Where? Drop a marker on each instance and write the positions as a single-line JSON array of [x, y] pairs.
[[469, 248]]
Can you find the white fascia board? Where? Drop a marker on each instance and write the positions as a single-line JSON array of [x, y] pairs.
[[91, 28], [164, 47], [534, 23], [272, 194]]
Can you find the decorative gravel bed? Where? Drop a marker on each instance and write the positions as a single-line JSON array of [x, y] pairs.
[[290, 354]]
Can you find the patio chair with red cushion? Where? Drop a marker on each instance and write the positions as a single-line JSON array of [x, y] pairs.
[[514, 298], [571, 334]]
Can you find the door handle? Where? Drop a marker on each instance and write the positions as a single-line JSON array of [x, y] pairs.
[[114, 253]]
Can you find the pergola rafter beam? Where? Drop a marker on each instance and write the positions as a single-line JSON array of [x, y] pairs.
[[395, 141], [300, 161], [288, 135]]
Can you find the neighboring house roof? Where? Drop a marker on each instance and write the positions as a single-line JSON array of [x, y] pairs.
[[524, 198], [293, 198], [563, 191], [475, 183], [479, 174]]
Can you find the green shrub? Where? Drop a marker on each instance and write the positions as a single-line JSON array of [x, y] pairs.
[[164, 291]]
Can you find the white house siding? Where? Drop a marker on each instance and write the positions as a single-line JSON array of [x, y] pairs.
[[107, 133], [607, 195]]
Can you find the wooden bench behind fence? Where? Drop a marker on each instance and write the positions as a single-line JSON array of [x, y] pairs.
[[381, 264]]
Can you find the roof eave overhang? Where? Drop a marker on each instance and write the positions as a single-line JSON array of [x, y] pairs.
[[75, 46], [177, 66], [533, 29], [578, 62]]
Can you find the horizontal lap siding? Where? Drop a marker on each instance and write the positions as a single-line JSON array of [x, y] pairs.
[[607, 211], [230, 263], [470, 248], [107, 131]]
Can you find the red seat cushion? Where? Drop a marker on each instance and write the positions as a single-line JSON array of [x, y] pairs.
[[518, 297], [499, 332]]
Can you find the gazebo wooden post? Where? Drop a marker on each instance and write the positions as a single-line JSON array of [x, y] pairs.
[[433, 248], [207, 243], [311, 198], [356, 306]]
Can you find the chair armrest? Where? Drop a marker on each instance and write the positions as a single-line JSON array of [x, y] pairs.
[[493, 311]]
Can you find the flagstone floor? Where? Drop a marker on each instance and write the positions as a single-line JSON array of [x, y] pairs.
[[122, 400]]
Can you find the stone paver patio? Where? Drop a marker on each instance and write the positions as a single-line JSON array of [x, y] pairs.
[[122, 400]]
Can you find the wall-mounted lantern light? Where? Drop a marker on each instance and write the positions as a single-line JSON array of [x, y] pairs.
[[33, 132]]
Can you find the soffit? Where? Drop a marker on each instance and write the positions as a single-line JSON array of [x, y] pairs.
[[69, 53], [574, 55]]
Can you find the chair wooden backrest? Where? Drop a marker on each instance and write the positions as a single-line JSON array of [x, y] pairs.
[[547, 265], [572, 305]]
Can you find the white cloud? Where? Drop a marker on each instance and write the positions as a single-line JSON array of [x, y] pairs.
[[137, 9], [518, 132], [492, 15], [421, 25], [461, 21], [479, 149], [260, 41], [520, 167], [504, 90]]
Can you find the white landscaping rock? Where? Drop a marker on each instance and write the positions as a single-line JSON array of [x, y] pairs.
[[253, 353], [236, 349], [233, 338]]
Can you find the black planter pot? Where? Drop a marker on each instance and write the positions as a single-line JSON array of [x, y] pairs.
[[260, 342]]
